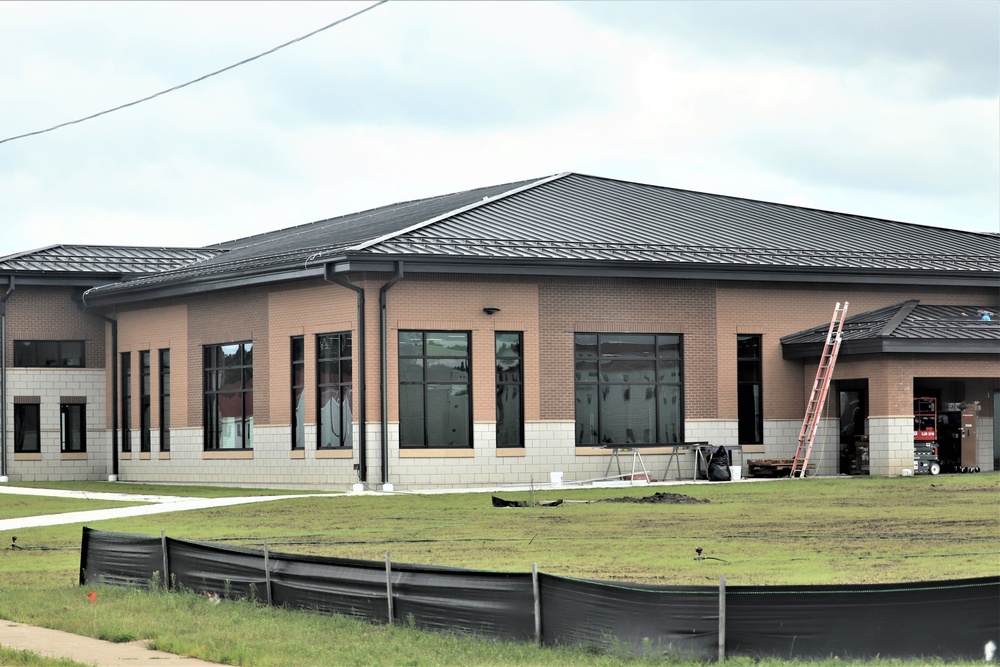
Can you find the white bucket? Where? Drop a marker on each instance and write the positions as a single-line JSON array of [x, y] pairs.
[[735, 472], [387, 488], [358, 488], [556, 478]]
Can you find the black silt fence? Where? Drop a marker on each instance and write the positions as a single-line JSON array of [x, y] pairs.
[[946, 619]]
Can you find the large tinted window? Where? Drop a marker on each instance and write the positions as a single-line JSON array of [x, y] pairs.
[[229, 396], [27, 429], [333, 390], [298, 392], [748, 389], [435, 407], [510, 389], [41, 353], [629, 389]]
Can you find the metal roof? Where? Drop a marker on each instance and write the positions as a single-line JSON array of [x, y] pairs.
[[101, 260], [906, 327], [596, 224]]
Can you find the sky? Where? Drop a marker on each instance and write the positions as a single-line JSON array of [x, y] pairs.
[[889, 109]]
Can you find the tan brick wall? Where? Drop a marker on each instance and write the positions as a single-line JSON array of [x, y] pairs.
[[627, 306], [53, 313], [776, 310]]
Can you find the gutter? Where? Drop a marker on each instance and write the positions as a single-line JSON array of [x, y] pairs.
[[384, 370], [3, 379], [362, 389], [114, 385]]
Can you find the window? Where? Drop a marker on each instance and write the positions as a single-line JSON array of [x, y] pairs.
[[333, 390], [748, 389], [126, 401], [73, 427], [229, 396], [165, 400], [27, 431], [298, 392], [144, 402], [48, 353], [629, 389], [510, 390], [435, 409]]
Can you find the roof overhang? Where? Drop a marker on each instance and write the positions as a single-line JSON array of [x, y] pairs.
[[346, 264], [894, 345]]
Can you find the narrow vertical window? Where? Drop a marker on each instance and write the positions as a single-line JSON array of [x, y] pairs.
[[73, 427], [228, 418], [748, 389], [298, 392], [165, 400], [435, 389], [629, 389], [27, 430], [126, 401], [510, 389], [144, 402], [333, 391]]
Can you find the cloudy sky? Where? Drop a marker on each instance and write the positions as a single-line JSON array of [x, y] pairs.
[[885, 109]]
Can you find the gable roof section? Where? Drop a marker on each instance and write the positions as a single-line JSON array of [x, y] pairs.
[[92, 264], [572, 224], [905, 327]]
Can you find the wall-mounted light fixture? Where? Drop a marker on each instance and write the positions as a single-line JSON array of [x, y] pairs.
[[491, 310]]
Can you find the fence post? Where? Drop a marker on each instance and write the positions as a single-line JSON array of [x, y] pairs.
[[166, 568], [388, 583], [722, 618], [538, 603], [267, 574]]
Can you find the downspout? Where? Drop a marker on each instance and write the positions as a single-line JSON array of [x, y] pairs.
[[384, 371], [114, 387], [362, 390], [3, 380]]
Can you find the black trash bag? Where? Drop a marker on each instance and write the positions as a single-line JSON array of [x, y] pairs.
[[718, 466]]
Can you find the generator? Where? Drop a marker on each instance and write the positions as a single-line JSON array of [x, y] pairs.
[[925, 437]]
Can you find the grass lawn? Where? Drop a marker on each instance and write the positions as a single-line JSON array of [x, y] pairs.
[[815, 531]]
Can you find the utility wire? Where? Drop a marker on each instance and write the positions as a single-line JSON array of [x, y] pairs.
[[200, 78]]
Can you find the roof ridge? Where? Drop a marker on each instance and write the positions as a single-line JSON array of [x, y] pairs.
[[462, 209], [893, 323]]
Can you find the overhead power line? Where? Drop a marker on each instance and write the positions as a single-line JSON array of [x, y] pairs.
[[200, 78]]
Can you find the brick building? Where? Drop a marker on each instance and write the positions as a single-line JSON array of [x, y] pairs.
[[500, 335]]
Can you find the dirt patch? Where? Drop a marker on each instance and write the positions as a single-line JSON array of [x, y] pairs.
[[659, 498]]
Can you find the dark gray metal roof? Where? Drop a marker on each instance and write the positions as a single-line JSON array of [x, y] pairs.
[[906, 327], [589, 224], [101, 260]]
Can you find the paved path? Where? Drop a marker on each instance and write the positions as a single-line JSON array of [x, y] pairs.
[[153, 505], [59, 644]]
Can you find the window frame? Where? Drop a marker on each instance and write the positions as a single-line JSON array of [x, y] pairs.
[[145, 403], [745, 422], [344, 388], [503, 384], [213, 420], [164, 398], [21, 362], [429, 439], [20, 431], [297, 350], [597, 362], [126, 400], [65, 430]]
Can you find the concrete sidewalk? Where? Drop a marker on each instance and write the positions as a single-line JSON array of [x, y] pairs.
[[152, 505], [89, 651]]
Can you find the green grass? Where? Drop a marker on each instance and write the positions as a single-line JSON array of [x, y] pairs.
[[818, 531], [162, 489], [9, 656]]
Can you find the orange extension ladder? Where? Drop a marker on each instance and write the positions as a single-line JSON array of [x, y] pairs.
[[821, 386]]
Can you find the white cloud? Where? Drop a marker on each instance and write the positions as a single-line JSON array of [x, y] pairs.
[[415, 99]]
